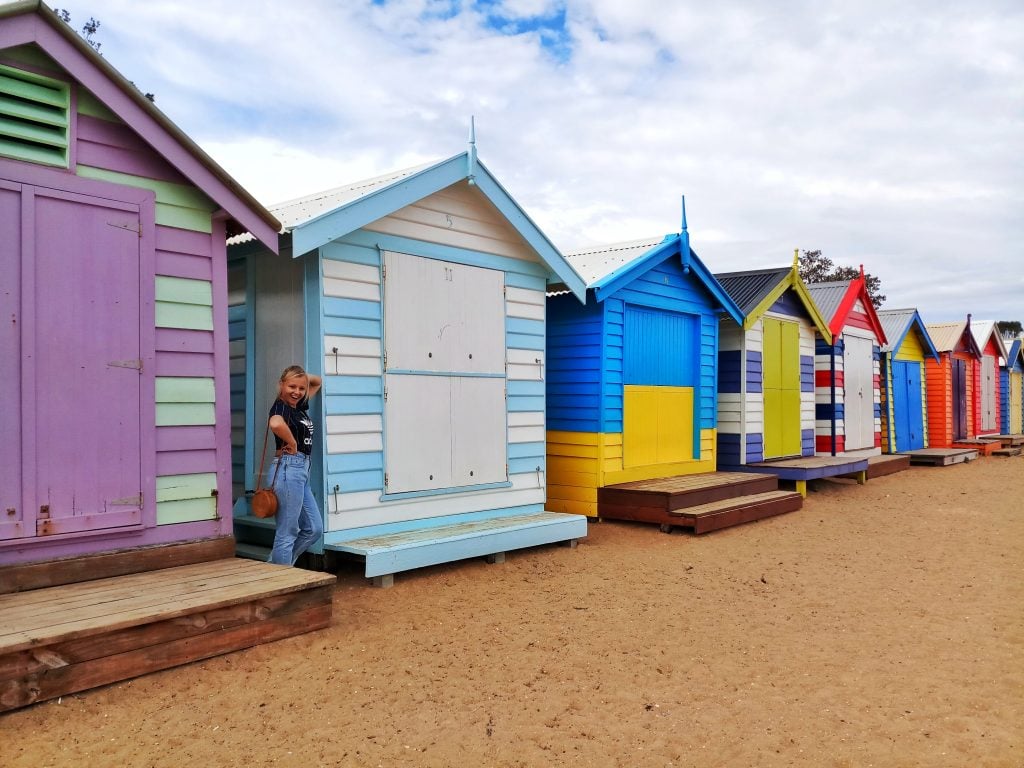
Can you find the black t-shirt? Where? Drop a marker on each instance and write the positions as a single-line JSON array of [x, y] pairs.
[[298, 422]]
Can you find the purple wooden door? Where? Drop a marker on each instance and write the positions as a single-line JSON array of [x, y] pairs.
[[74, 334], [88, 363], [959, 399], [12, 511]]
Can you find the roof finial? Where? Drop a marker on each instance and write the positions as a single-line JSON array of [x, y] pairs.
[[796, 258], [471, 154], [683, 205], [862, 270]]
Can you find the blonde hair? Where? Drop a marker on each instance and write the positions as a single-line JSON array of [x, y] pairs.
[[292, 370]]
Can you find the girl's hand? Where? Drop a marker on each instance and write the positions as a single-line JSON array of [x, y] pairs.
[[291, 448]]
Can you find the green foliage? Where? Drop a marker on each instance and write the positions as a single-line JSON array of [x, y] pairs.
[[1010, 329], [814, 267]]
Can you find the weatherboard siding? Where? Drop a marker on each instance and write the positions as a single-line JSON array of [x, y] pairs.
[[459, 218], [354, 377], [188, 320]]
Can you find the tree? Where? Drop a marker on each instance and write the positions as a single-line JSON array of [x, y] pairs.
[[1010, 329], [90, 28], [815, 267]]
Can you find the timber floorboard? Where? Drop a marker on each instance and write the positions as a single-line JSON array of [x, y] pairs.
[[70, 638]]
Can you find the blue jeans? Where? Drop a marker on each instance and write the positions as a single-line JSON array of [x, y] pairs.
[[299, 523]]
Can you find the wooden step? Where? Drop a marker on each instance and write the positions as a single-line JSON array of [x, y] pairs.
[[729, 512], [651, 500], [887, 464], [1007, 452], [942, 457]]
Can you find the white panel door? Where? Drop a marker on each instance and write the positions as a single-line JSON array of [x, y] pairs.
[[417, 433], [479, 442], [858, 403], [443, 317], [988, 393]]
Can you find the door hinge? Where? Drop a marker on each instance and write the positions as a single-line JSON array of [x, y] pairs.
[[136, 364], [137, 229], [385, 394], [385, 481], [128, 501], [383, 272], [385, 361]]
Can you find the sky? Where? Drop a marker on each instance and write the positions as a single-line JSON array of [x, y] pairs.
[[888, 134]]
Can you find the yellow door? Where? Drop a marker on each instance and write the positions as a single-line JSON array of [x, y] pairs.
[[657, 425], [780, 362]]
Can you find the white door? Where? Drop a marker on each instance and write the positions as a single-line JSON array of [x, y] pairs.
[[988, 393], [858, 390], [445, 411]]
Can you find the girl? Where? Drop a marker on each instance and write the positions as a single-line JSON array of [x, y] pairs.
[[299, 524]]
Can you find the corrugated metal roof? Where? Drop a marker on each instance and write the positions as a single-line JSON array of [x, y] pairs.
[[828, 296], [748, 289], [982, 330], [946, 336], [894, 323], [301, 209], [598, 262]]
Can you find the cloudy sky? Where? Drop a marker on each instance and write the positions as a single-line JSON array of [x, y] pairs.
[[884, 133]]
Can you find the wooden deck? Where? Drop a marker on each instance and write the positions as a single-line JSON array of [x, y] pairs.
[[704, 502], [806, 468], [941, 457], [1009, 441], [59, 640], [887, 464], [392, 548], [985, 446]]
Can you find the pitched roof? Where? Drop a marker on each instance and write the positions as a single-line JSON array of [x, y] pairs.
[[838, 298], [748, 289], [947, 336], [595, 263], [609, 268], [984, 330], [320, 218], [21, 22], [828, 296], [756, 290], [897, 323]]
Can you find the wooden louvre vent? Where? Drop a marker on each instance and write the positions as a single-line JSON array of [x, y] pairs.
[[34, 117]]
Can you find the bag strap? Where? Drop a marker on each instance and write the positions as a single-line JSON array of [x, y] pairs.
[[263, 459]]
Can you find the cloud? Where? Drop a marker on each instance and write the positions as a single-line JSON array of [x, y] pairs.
[[879, 133]]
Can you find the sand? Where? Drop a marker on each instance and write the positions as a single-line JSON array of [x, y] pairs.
[[881, 625]]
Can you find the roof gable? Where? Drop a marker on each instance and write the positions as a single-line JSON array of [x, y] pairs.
[[26, 23], [319, 219], [987, 333], [836, 301], [897, 323], [757, 290], [623, 263], [954, 337]]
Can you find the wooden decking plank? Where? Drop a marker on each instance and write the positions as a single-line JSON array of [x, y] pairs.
[[95, 590], [33, 630], [452, 531], [18, 578], [109, 669], [76, 651], [157, 585], [139, 609], [717, 507]]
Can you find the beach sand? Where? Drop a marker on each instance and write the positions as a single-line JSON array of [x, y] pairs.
[[881, 625]]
